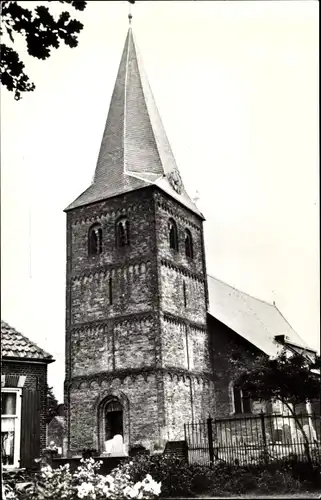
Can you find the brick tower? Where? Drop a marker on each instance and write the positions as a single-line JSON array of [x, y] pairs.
[[137, 350]]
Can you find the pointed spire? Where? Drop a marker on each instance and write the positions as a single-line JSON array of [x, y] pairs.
[[134, 151]]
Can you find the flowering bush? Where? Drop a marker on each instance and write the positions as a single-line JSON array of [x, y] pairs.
[[182, 479], [85, 484]]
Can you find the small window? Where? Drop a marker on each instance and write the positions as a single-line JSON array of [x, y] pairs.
[[110, 291], [95, 240], [173, 236], [10, 427], [184, 294], [188, 244], [241, 400], [122, 232]]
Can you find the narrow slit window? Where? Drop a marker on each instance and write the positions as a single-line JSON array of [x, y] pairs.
[[184, 294], [110, 291]]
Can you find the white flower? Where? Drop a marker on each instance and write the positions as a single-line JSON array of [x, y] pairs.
[[86, 489], [11, 495], [151, 486], [157, 488], [130, 492]]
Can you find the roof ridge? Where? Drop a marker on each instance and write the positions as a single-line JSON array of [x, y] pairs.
[[241, 291]]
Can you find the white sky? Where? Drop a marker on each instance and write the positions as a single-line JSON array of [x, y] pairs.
[[236, 84]]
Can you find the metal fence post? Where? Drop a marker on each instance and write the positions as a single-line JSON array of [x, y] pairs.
[[265, 448], [210, 438]]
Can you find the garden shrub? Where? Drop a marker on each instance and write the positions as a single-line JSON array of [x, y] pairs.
[[133, 479], [179, 478], [85, 483], [175, 474]]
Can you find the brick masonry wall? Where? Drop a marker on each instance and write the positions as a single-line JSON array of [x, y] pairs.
[[174, 344], [141, 421], [134, 344], [115, 346], [187, 399], [223, 344], [203, 398], [137, 206], [146, 325], [178, 406], [131, 293], [36, 378], [185, 339], [167, 208]]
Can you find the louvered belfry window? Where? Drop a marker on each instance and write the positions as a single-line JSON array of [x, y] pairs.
[[122, 232], [188, 244], [173, 235], [95, 240]]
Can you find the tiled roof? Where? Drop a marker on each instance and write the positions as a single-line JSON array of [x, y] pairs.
[[255, 320], [135, 151], [16, 345]]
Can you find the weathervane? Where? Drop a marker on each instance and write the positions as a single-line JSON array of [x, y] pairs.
[[130, 17]]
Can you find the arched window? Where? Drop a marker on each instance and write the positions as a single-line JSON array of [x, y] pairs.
[[122, 232], [113, 419], [188, 244], [95, 240], [173, 236], [241, 400]]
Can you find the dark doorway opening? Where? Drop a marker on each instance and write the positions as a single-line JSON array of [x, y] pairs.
[[113, 420]]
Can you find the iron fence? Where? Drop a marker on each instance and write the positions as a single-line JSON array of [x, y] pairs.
[[254, 439]]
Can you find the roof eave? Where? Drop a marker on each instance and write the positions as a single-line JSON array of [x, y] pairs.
[[27, 360], [198, 213]]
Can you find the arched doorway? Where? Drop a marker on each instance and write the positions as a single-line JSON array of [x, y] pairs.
[[113, 419]]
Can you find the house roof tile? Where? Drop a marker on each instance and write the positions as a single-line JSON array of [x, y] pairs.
[[16, 345]]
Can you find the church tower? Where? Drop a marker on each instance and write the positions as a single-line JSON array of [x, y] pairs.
[[137, 349]]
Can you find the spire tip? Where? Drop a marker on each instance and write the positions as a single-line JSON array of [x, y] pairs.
[[130, 16]]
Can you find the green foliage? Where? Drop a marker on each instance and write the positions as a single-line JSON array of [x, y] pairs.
[[284, 378], [177, 477], [180, 479], [52, 405], [41, 31]]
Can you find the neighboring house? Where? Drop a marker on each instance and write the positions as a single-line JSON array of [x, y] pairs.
[[23, 398], [243, 325]]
